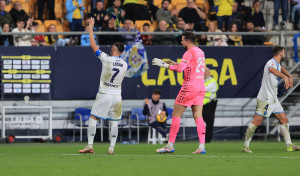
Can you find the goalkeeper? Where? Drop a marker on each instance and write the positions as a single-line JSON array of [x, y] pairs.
[[156, 111]]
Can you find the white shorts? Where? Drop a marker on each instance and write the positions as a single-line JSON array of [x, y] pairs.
[[107, 106], [265, 109]]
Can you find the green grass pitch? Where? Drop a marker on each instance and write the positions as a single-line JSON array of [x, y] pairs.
[[222, 158]]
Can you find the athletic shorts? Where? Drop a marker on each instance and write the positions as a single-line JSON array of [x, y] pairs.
[[189, 98], [265, 109], [108, 106]]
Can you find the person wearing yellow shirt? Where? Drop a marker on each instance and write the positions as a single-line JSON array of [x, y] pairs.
[[209, 104], [74, 14], [224, 12]]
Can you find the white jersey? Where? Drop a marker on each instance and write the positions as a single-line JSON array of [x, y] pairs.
[[269, 84], [113, 73]]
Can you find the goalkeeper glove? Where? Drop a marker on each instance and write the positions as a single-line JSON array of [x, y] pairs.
[[159, 63]]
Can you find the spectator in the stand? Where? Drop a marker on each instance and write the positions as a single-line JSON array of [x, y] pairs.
[[165, 14], [153, 108], [99, 14], [284, 10], [296, 14], [234, 39], [136, 10], [224, 13], [18, 13], [163, 39], [6, 40], [257, 17], [116, 12], [252, 39], [39, 40], [57, 40], [215, 40], [74, 14], [50, 6], [8, 2], [5, 17], [85, 39], [237, 17], [109, 39], [147, 39], [23, 40], [193, 14], [128, 39]]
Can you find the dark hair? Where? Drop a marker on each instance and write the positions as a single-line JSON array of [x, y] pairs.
[[233, 23], [276, 49], [249, 21], [165, 0], [34, 23], [146, 24], [255, 1], [20, 20], [120, 46], [156, 91], [98, 1], [5, 24], [189, 35]]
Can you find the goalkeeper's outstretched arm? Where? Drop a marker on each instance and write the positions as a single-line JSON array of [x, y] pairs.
[[91, 35], [174, 66]]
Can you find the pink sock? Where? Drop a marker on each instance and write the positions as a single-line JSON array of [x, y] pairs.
[[200, 129], [174, 128]]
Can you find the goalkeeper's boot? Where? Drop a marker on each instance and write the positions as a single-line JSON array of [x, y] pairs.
[[292, 147], [246, 149], [87, 149], [111, 150], [199, 151], [166, 149]]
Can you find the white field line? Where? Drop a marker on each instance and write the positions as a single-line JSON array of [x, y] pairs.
[[171, 155]]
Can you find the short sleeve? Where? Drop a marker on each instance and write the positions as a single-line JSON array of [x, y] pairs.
[[271, 64], [187, 57], [102, 56]]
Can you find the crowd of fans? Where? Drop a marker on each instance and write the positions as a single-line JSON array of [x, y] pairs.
[[216, 16]]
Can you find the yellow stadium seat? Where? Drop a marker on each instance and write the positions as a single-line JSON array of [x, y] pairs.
[[26, 7], [175, 2], [268, 43], [180, 6], [139, 23], [38, 21], [66, 26], [58, 1], [59, 28], [8, 7], [48, 22], [22, 1], [41, 28], [154, 25], [58, 10]]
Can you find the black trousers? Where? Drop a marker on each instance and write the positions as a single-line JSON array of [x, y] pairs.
[[136, 12], [41, 7], [160, 127], [209, 117]]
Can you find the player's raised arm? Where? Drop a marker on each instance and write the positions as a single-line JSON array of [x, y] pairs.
[[174, 66], [91, 34], [286, 73], [278, 73]]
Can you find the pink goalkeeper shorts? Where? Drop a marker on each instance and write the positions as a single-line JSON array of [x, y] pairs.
[[188, 98]]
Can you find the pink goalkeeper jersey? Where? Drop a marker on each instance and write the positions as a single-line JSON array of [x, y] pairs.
[[194, 72]]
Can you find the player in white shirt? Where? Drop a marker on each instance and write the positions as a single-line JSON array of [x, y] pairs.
[[108, 103], [267, 101]]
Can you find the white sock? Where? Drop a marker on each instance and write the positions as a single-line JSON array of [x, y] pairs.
[[113, 132], [284, 129], [170, 145], [249, 134], [91, 131], [201, 146]]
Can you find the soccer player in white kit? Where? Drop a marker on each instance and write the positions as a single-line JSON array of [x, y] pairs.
[[267, 101], [108, 103]]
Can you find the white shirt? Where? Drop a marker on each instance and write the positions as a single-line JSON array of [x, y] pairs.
[[269, 84], [113, 73], [22, 40]]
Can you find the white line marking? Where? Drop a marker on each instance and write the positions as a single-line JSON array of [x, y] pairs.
[[171, 155]]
